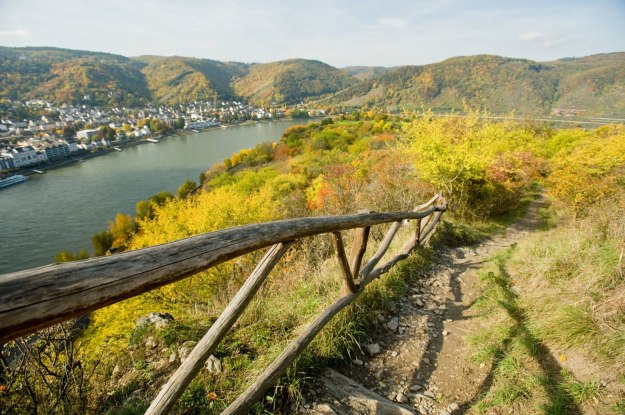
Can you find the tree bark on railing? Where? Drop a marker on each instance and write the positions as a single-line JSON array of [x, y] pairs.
[[41, 297]]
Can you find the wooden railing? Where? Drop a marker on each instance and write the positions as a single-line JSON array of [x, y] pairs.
[[40, 297]]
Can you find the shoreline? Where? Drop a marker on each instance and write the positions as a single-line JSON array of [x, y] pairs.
[[86, 155]]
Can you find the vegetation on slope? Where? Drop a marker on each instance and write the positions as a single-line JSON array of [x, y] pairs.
[[174, 80], [291, 81], [556, 300], [365, 72], [593, 85], [69, 76], [360, 161]]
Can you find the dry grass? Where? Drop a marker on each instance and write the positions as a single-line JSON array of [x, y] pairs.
[[573, 283]]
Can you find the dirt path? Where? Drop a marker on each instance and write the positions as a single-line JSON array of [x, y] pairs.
[[424, 362]]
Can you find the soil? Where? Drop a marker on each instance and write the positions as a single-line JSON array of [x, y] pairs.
[[425, 361]]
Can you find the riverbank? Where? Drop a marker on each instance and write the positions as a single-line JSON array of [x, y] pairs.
[[86, 155], [63, 208], [76, 158]]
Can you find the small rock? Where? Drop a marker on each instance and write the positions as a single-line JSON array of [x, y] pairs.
[[129, 377], [453, 407], [150, 343], [394, 353], [173, 357], [392, 324], [401, 398], [515, 290], [419, 303], [445, 332], [213, 365], [115, 372], [323, 409], [185, 349], [390, 396], [357, 362], [444, 412], [160, 320], [373, 349], [429, 394], [426, 360], [415, 388]]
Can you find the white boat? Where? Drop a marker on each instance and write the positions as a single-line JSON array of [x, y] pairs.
[[15, 179], [195, 131], [152, 140], [117, 149]]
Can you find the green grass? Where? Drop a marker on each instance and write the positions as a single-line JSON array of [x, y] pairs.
[[524, 376]]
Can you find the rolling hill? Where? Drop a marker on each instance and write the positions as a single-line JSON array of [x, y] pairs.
[[173, 80], [592, 85], [291, 81], [61, 75]]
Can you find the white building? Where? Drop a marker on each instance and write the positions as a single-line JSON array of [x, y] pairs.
[[25, 156]]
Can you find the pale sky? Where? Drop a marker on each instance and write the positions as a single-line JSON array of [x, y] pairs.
[[339, 32]]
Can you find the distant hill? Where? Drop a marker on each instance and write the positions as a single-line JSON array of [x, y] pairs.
[[363, 73], [591, 85], [61, 75], [594, 85], [291, 81], [176, 79]]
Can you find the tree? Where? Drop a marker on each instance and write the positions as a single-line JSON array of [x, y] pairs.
[[161, 198], [67, 256], [102, 243], [179, 123], [122, 229], [186, 188], [144, 210]]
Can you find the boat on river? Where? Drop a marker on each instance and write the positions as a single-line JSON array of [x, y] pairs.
[[11, 180], [152, 140]]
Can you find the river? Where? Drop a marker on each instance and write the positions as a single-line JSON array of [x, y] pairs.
[[63, 208]]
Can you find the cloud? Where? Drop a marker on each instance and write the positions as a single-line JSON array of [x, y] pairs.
[[393, 22], [14, 33], [547, 39]]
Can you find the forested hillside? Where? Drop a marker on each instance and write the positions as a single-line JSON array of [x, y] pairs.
[[71, 76], [589, 86], [593, 85], [291, 81], [173, 80]]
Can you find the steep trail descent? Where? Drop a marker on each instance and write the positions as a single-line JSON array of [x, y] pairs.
[[419, 360]]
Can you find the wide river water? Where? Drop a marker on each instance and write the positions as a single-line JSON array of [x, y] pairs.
[[63, 208]]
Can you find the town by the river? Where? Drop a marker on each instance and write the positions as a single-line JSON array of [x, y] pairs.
[[63, 208]]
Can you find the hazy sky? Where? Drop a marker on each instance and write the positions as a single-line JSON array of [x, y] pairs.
[[341, 33]]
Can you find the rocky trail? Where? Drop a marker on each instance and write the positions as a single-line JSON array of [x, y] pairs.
[[418, 361]]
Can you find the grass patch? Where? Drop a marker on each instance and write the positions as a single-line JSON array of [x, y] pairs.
[[572, 283], [524, 376]]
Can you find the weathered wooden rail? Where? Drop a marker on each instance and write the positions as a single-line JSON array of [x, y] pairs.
[[40, 297]]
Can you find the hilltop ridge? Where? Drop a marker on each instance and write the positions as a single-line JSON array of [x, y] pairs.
[[591, 85]]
